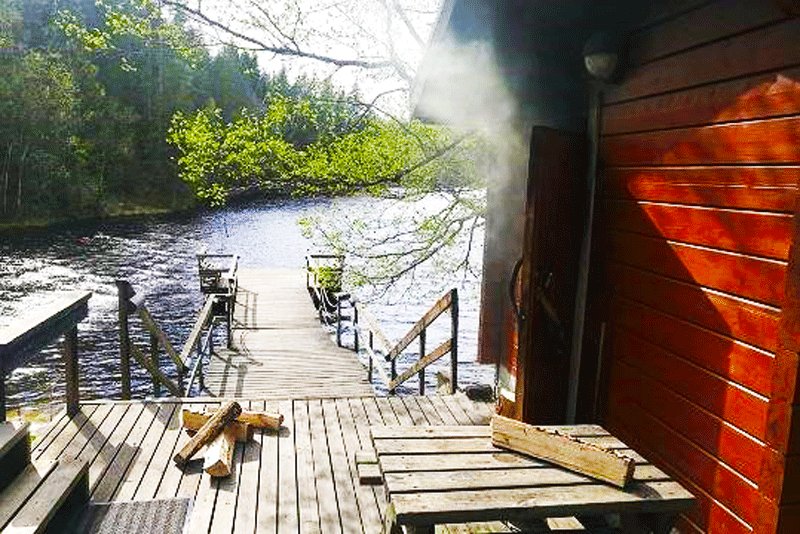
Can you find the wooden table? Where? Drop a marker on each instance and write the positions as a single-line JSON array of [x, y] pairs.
[[453, 474]]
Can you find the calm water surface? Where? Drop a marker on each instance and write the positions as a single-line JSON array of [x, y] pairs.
[[157, 255]]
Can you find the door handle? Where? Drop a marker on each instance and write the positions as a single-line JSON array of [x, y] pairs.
[[512, 291]]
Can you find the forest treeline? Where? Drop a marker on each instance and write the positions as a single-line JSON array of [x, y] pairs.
[[112, 106]]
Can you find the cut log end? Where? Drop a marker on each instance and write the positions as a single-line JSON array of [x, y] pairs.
[[218, 460]]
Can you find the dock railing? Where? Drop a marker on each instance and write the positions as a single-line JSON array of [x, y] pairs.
[[324, 284], [22, 341], [380, 350], [197, 349]]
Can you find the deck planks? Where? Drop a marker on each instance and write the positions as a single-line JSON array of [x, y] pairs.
[[301, 478], [279, 349]]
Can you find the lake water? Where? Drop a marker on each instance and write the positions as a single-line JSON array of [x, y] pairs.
[[157, 255]]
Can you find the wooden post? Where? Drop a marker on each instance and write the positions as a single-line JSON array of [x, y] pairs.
[[422, 355], [2, 393], [338, 322], [371, 348], [454, 337], [71, 370], [393, 366], [229, 324], [355, 327], [154, 359], [125, 292]]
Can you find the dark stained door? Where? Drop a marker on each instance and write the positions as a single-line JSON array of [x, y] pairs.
[[544, 293]]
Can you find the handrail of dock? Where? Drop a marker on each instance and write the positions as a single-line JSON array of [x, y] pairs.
[[23, 340], [201, 345], [333, 305], [367, 326]]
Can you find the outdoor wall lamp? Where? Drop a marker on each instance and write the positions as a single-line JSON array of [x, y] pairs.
[[601, 56]]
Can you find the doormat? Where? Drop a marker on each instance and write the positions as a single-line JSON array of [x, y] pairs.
[[167, 516]]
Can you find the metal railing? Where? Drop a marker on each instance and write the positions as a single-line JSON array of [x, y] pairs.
[[29, 334], [324, 283]]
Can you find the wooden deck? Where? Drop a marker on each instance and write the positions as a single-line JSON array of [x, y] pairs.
[[279, 349], [302, 479]]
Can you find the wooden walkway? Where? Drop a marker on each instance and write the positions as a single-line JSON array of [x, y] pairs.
[[301, 479], [280, 349]]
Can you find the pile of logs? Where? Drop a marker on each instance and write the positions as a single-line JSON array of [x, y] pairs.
[[219, 432]]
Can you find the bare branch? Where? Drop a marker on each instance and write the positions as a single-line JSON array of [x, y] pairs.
[[279, 50]]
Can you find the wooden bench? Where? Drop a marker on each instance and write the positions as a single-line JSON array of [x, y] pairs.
[[453, 474]]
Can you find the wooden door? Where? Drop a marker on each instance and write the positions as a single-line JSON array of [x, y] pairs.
[[547, 273]]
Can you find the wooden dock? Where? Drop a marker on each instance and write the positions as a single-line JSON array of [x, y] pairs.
[[279, 349], [301, 479]]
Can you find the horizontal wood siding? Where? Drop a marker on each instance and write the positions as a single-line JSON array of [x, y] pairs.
[[700, 159]]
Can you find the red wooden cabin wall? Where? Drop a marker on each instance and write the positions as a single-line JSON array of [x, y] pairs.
[[699, 153]]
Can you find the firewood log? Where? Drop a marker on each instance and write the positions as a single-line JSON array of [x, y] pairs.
[[219, 454], [192, 421], [210, 430]]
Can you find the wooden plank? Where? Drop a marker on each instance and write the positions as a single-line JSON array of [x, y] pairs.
[[401, 411], [751, 322], [478, 480], [724, 144], [386, 411], [429, 410], [442, 410], [755, 188], [308, 511], [150, 324], [571, 453], [727, 357], [371, 508], [526, 503], [288, 491], [112, 445], [679, 457], [457, 446], [486, 461], [174, 389], [323, 471], [743, 409], [710, 22], [753, 278], [769, 234], [344, 482], [762, 96], [127, 489], [756, 51], [457, 410], [257, 507], [410, 404], [422, 363], [197, 329], [70, 444], [717, 437], [161, 469], [28, 334], [435, 311], [475, 431], [127, 451], [372, 324], [15, 495], [68, 479], [658, 12]]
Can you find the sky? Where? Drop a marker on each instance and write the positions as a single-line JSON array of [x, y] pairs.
[[370, 30]]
